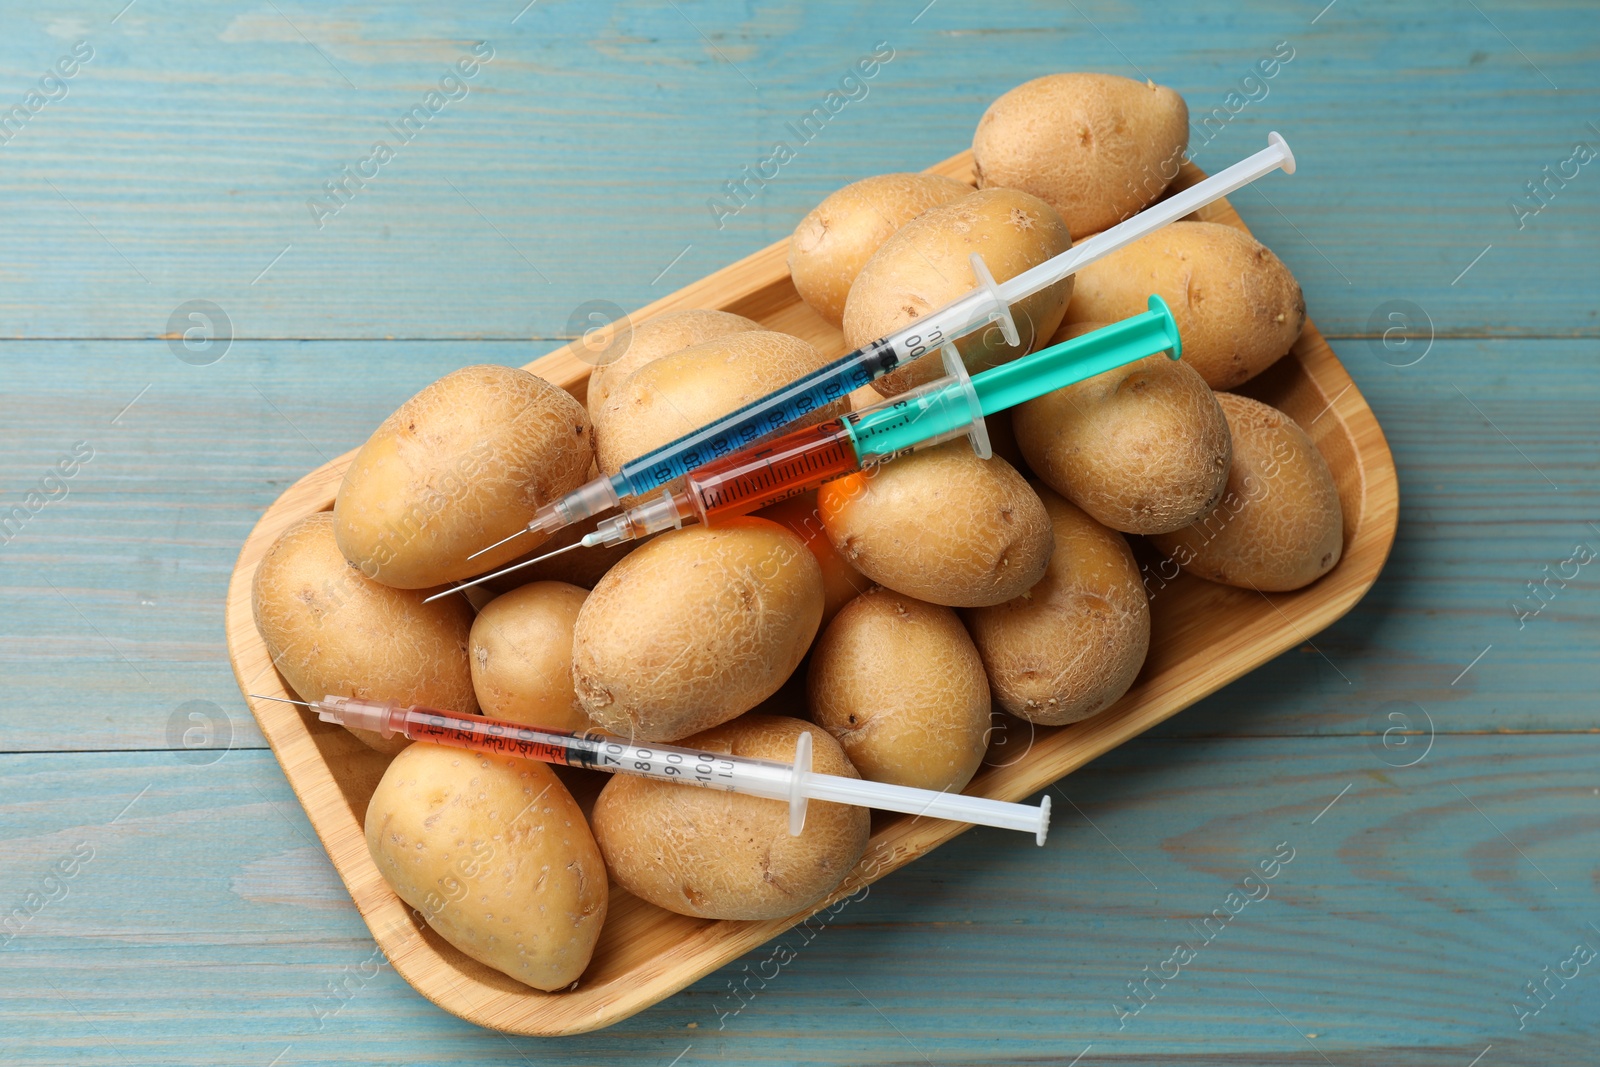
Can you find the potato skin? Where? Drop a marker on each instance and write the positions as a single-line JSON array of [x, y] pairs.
[[835, 240], [841, 583], [898, 683], [332, 631], [927, 264], [696, 627], [1279, 525], [654, 338], [722, 855], [460, 465], [496, 855], [1096, 147], [1143, 449], [941, 525], [1073, 644], [668, 397], [1237, 306], [520, 651]]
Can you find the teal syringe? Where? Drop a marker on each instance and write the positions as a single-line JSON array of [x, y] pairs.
[[942, 410]]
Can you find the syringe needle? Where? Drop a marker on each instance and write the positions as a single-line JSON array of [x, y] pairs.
[[281, 700], [498, 543], [504, 570]]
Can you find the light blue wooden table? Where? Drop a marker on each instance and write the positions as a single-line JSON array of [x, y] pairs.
[[164, 905]]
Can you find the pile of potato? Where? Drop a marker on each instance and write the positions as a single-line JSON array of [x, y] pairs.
[[896, 609]]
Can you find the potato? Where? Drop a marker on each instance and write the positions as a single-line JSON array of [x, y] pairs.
[[832, 243], [495, 854], [332, 631], [654, 338], [927, 264], [721, 855], [1237, 306], [1096, 147], [1073, 644], [668, 397], [941, 525], [520, 650], [841, 583], [696, 627], [1279, 525], [1143, 448], [460, 465], [899, 684]]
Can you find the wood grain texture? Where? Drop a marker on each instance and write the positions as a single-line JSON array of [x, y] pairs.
[[209, 926], [598, 141], [609, 127]]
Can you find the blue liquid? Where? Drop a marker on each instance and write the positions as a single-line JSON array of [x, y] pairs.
[[756, 420]]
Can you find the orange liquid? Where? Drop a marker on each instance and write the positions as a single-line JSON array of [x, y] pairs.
[[783, 467]]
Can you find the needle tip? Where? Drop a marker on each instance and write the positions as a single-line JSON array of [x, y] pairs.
[[281, 700]]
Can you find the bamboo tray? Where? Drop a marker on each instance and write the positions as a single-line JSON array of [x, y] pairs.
[[1203, 636]]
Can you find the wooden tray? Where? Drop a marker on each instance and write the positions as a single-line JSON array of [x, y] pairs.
[[1203, 636]]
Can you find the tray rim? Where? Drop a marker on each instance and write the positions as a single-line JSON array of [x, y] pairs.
[[477, 994]]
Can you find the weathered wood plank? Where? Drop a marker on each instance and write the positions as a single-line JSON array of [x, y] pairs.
[[205, 927], [580, 161]]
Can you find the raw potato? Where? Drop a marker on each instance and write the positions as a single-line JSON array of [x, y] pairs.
[[722, 855], [1143, 448], [1279, 525], [520, 650], [460, 465], [841, 583], [496, 855], [832, 243], [1073, 644], [1237, 306], [927, 264], [654, 338], [941, 525], [668, 397], [899, 684], [332, 631], [696, 627], [1096, 147]]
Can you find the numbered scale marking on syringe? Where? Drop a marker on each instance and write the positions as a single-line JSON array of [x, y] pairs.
[[794, 782], [589, 751]]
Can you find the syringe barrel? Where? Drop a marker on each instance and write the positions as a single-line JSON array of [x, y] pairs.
[[806, 394], [768, 474], [928, 415], [956, 807], [597, 751]]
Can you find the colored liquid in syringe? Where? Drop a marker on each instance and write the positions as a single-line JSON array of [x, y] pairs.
[[487, 735], [589, 751], [785, 467]]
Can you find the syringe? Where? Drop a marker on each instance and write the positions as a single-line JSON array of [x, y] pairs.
[[988, 303], [949, 407], [795, 783]]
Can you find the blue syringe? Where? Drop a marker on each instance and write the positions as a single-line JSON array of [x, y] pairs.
[[989, 303]]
